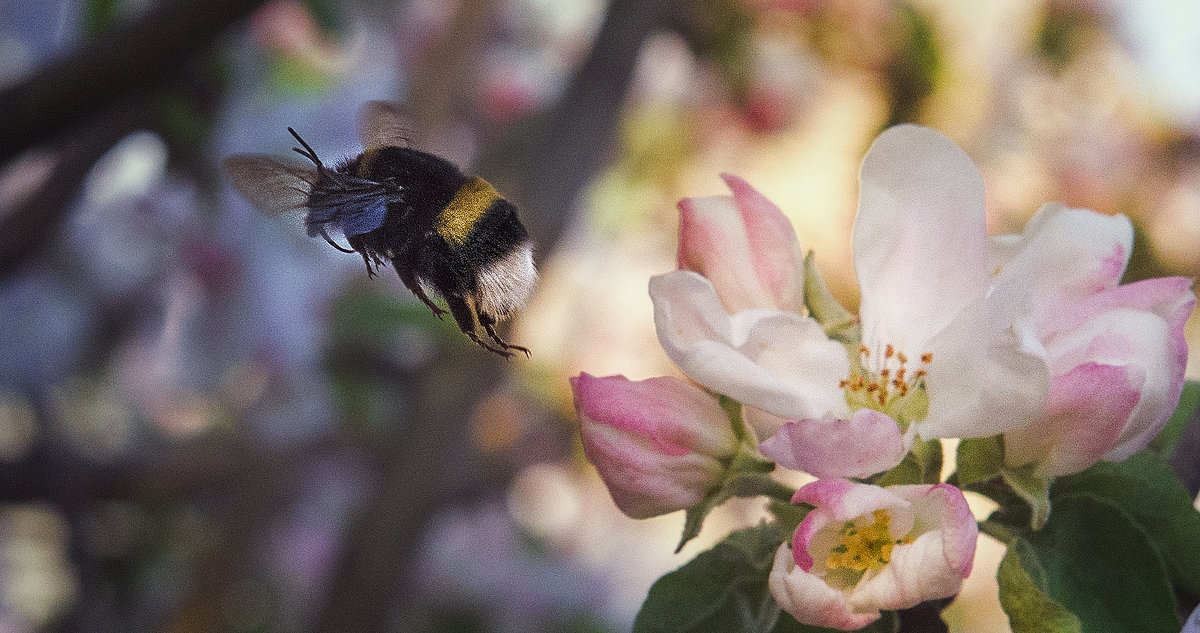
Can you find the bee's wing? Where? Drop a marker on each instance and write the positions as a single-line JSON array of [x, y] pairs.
[[349, 204], [271, 185], [383, 124]]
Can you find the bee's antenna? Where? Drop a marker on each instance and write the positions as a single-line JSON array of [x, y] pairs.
[[307, 152]]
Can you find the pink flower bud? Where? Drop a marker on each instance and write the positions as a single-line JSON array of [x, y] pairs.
[[658, 444], [1116, 353], [745, 246]]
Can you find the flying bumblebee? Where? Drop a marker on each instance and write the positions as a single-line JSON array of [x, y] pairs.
[[440, 229]]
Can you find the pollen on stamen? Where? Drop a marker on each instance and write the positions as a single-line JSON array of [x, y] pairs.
[[927, 357], [864, 351], [889, 351], [902, 358]]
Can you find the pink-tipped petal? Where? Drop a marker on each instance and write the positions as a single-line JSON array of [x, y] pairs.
[[674, 416], [642, 481], [1084, 416], [809, 599], [943, 507], [919, 238], [745, 246], [869, 442], [775, 252], [1065, 255], [713, 242]]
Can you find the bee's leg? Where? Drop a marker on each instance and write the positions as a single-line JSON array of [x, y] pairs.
[[357, 246], [465, 317], [414, 286], [488, 322], [367, 261], [335, 244]]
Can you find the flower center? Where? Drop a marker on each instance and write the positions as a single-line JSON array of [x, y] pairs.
[[887, 385], [864, 547]]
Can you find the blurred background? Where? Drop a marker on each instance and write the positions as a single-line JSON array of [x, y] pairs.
[[209, 422]]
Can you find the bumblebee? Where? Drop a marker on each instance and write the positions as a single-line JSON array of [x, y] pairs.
[[441, 229]]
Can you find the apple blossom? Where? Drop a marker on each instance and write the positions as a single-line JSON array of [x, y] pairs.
[[944, 353], [863, 549], [659, 444], [1116, 353]]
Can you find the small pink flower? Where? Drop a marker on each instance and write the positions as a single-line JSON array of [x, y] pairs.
[[658, 444], [863, 549], [1116, 353]]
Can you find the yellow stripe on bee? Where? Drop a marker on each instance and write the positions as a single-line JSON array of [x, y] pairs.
[[366, 161], [469, 204]]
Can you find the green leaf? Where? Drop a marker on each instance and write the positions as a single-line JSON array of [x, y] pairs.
[[907, 471], [1023, 595], [980, 459], [694, 517], [1146, 489], [1033, 490], [1098, 563], [1189, 402], [722, 589]]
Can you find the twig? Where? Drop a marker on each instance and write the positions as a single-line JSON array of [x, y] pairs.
[[124, 59]]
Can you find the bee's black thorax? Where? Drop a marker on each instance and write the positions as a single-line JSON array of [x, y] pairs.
[[444, 226]]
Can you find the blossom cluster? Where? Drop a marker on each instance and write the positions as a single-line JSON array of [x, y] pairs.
[[1029, 338]]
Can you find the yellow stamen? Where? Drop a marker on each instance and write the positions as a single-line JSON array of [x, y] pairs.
[[865, 547]]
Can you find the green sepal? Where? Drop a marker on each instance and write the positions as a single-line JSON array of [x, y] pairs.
[[979, 459], [922, 465], [1189, 403], [746, 475], [1149, 492], [1033, 490], [1023, 595], [788, 515], [839, 323]]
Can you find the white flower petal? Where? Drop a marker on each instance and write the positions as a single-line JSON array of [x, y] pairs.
[[988, 374], [809, 599], [1065, 255], [777, 361], [919, 237]]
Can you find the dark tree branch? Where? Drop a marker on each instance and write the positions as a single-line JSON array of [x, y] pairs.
[[127, 58], [545, 169], [30, 225]]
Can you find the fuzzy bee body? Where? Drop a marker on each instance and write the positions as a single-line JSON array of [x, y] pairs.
[[440, 229]]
